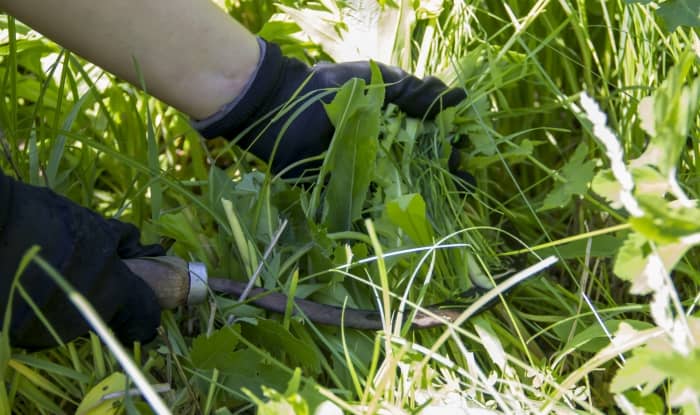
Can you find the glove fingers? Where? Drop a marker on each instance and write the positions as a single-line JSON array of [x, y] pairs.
[[82, 246], [129, 241], [418, 97]]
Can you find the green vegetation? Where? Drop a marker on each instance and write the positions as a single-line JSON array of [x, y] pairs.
[[581, 130]]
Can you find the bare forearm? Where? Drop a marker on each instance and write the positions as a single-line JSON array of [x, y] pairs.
[[191, 54]]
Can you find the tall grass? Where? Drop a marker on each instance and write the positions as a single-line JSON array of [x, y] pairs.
[[545, 346]]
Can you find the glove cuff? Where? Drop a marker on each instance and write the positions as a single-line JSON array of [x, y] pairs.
[[233, 117]]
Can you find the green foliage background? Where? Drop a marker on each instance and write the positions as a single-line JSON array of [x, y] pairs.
[[545, 346]]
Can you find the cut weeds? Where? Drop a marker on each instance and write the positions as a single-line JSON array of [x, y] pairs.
[[580, 130]]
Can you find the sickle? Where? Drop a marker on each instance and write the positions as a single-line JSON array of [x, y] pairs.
[[176, 282]]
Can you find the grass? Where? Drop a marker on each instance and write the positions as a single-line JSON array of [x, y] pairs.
[[419, 239]]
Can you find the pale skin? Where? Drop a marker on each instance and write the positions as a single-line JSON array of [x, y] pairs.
[[190, 53]]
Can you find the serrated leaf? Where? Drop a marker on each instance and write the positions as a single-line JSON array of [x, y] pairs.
[[215, 351], [253, 371], [273, 336], [577, 174]]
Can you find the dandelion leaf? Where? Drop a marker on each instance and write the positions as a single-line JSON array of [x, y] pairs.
[[274, 337], [351, 159], [215, 351], [577, 174], [254, 371]]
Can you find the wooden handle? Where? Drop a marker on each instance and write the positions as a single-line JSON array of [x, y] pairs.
[[169, 278]]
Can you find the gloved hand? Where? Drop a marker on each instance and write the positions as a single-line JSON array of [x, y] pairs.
[[88, 251], [278, 78]]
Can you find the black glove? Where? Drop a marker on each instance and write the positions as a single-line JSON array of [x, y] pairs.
[[88, 251], [279, 77]]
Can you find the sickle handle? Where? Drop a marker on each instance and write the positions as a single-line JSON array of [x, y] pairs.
[[174, 281]]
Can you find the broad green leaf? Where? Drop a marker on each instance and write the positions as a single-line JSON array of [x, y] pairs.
[[388, 177], [353, 153], [647, 181], [186, 230], [518, 153], [668, 114], [652, 403], [676, 12], [631, 258], [605, 185], [273, 336], [253, 371], [601, 246], [483, 144], [408, 212], [683, 370], [638, 371], [577, 173], [665, 221], [594, 338], [215, 351], [680, 13], [93, 404], [291, 402]]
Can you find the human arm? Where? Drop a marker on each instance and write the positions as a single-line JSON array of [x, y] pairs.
[[194, 57], [191, 54]]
